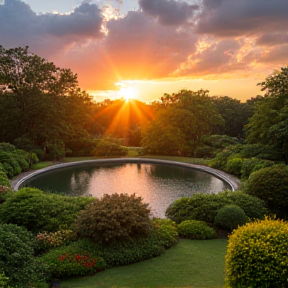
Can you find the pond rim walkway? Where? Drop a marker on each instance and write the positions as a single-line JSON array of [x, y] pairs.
[[231, 180]]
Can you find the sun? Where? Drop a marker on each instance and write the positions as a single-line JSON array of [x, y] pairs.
[[127, 93]]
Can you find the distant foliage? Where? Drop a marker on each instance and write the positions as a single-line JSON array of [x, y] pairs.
[[257, 255], [194, 229], [115, 217], [271, 185], [230, 217], [38, 211], [109, 147]]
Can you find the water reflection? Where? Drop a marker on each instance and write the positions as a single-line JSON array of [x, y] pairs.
[[159, 185]]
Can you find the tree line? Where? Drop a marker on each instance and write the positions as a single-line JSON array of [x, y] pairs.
[[43, 109]]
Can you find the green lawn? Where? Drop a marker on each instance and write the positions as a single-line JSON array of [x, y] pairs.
[[191, 263]]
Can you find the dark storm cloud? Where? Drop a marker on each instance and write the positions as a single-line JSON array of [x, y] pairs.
[[168, 12], [242, 17]]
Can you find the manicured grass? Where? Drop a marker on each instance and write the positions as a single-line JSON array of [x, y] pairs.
[[191, 263]]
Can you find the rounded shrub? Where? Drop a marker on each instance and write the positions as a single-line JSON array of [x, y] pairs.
[[114, 217], [194, 229], [230, 217], [254, 164], [257, 255], [39, 211], [253, 207], [202, 207], [234, 165], [271, 185]]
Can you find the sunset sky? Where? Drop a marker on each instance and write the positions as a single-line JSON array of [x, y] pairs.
[[152, 47]]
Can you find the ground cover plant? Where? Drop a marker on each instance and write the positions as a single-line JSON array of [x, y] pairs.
[[257, 255]]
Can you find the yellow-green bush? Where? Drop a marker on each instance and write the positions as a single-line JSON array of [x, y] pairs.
[[257, 255]]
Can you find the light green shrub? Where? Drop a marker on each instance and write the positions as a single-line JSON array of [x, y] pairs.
[[230, 217], [254, 164], [257, 255], [233, 166], [194, 229]]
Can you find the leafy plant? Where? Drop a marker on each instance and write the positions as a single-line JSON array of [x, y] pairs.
[[254, 164], [17, 259], [114, 217], [233, 166], [257, 255], [230, 217], [195, 229], [72, 260], [39, 211], [271, 185]]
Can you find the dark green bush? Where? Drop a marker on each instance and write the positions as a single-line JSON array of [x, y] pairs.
[[271, 185], [257, 255], [128, 252], [253, 207], [194, 229], [218, 141], [114, 217], [254, 164], [259, 151], [230, 217], [204, 207], [109, 147], [39, 211], [17, 259], [73, 260], [233, 166]]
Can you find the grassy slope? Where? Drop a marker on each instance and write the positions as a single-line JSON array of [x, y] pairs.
[[191, 263]]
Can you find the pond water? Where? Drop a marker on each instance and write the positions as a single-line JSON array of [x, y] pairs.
[[158, 184]]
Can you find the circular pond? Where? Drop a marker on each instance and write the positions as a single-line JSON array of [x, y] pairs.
[[158, 184]]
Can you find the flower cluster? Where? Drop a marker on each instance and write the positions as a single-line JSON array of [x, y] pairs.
[[84, 260], [57, 239]]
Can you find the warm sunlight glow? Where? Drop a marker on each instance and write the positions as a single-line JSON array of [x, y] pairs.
[[127, 93]]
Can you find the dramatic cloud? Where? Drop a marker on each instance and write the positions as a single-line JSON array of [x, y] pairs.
[[169, 12], [242, 17], [163, 39]]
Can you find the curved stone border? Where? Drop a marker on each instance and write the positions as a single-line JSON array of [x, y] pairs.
[[231, 180]]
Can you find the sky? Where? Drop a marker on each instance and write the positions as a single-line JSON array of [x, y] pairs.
[[145, 48]]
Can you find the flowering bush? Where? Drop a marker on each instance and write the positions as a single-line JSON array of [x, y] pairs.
[[257, 255], [50, 240], [70, 261]]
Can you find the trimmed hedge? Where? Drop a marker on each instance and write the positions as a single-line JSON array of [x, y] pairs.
[[257, 255], [194, 229]]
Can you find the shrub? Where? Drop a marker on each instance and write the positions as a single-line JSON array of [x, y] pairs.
[[230, 217], [128, 252], [271, 185], [234, 165], [218, 141], [17, 259], [73, 260], [252, 165], [205, 152], [114, 217], [253, 207], [39, 211], [109, 147], [259, 151], [257, 255], [202, 207], [166, 231], [194, 229]]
